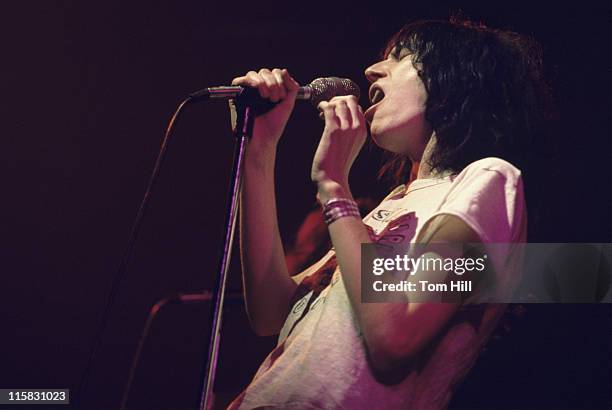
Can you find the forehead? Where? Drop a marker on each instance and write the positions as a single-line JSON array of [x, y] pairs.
[[401, 57], [398, 54], [400, 40]]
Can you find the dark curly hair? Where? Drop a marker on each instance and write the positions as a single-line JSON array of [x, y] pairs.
[[486, 92]]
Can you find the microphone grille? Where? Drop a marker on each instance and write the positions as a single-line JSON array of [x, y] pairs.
[[324, 89]]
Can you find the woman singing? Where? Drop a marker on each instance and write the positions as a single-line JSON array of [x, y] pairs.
[[461, 101]]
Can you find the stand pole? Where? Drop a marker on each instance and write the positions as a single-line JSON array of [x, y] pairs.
[[242, 132]]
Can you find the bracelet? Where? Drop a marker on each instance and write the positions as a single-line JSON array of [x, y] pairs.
[[337, 208]]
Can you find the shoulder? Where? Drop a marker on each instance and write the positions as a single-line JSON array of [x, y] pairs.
[[488, 195], [492, 178], [397, 190], [491, 164], [396, 193]]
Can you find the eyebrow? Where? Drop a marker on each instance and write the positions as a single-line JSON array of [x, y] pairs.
[[396, 52]]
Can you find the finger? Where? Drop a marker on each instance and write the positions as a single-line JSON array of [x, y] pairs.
[[271, 84], [343, 113], [239, 80], [292, 85], [355, 110], [282, 88], [329, 113], [256, 81], [249, 79]]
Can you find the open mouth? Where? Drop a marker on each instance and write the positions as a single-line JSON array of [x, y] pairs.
[[376, 95]]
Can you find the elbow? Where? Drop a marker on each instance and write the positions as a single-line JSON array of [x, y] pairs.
[[263, 328], [388, 353], [265, 331], [402, 339]]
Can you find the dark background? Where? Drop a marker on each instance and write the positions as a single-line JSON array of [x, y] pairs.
[[87, 90]]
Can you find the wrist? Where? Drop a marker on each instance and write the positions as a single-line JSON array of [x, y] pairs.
[[262, 146], [260, 154], [327, 190]]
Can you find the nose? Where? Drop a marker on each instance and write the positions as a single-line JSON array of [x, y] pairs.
[[375, 71]]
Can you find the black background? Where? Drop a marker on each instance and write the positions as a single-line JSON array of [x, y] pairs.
[[87, 90]]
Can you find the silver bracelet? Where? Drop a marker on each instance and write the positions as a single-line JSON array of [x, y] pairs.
[[337, 208]]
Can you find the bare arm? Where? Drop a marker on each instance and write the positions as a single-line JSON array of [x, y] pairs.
[[393, 332], [268, 286]]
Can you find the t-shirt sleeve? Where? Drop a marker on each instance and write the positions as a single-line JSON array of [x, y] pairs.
[[488, 196]]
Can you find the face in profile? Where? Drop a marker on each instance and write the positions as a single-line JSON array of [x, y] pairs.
[[397, 114]]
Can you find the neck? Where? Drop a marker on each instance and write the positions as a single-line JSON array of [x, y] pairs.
[[424, 167]]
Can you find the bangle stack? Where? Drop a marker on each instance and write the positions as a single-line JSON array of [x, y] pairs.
[[337, 208]]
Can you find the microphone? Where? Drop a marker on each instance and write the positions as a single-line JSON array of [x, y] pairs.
[[321, 89]]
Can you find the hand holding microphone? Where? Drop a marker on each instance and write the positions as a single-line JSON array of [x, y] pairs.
[[278, 87], [343, 137], [279, 91], [337, 100]]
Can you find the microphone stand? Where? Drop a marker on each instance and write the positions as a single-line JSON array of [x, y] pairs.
[[176, 299], [248, 106]]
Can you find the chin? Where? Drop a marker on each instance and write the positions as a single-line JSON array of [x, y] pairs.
[[388, 142]]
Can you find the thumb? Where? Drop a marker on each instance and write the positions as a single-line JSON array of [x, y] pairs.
[[291, 87]]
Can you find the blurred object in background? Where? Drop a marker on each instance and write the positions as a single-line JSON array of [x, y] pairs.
[[312, 239]]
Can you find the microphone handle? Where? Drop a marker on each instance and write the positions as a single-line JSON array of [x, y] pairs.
[[229, 92]]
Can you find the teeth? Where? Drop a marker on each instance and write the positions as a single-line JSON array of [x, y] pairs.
[[377, 96]]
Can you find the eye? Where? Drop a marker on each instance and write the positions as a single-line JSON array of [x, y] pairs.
[[396, 52], [403, 52]]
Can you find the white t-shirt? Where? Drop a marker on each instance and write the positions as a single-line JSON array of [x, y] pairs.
[[320, 359]]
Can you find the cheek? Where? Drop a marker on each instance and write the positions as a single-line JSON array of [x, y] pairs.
[[420, 133], [402, 131], [407, 117], [400, 125]]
